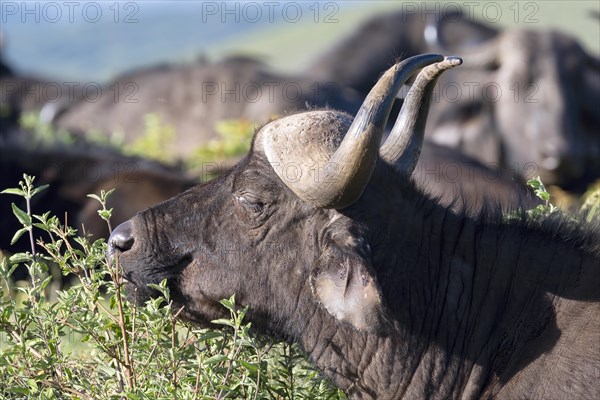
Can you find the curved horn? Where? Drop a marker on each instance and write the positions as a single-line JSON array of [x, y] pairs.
[[342, 176], [403, 146]]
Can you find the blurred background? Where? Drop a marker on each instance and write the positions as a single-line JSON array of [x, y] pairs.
[[97, 41]]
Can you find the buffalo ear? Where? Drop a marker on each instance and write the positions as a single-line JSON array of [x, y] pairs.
[[345, 284]]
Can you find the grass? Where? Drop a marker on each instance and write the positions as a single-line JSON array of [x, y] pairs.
[[232, 140]]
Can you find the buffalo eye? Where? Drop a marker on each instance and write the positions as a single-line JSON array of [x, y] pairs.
[[251, 204]]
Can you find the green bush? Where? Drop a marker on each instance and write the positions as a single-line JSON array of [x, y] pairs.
[[87, 342], [233, 141], [589, 210], [156, 143], [591, 203], [540, 191]]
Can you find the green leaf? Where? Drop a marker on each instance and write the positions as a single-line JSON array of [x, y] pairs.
[[21, 215], [113, 302], [108, 371], [216, 359], [6, 313], [18, 234], [38, 189], [12, 269], [223, 321], [15, 191], [40, 226], [105, 214], [162, 288], [248, 366], [106, 195], [19, 390], [209, 335], [95, 197], [535, 183], [20, 258], [229, 303], [43, 218], [46, 282]]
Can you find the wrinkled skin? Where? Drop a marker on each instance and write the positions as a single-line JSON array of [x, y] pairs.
[[544, 121], [393, 296]]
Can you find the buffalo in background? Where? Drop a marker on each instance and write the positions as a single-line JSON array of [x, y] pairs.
[[74, 171], [5, 70], [21, 93], [526, 100], [194, 97]]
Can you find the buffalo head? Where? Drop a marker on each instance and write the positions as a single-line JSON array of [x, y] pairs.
[[531, 104], [276, 226], [525, 99]]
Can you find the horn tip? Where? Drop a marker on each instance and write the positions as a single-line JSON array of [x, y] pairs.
[[450, 62]]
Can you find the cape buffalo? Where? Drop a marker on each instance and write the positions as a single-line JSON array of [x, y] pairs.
[[524, 98], [321, 232], [194, 97], [75, 171]]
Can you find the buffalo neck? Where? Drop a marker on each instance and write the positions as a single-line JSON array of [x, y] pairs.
[[405, 360], [465, 300]]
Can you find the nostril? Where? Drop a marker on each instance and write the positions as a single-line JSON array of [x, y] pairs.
[[122, 237]]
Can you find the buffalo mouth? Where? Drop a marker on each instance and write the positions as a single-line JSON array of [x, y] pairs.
[[136, 281], [139, 263], [199, 313]]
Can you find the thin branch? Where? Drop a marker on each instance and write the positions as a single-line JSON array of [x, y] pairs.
[[128, 366], [30, 229], [19, 340], [58, 385]]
